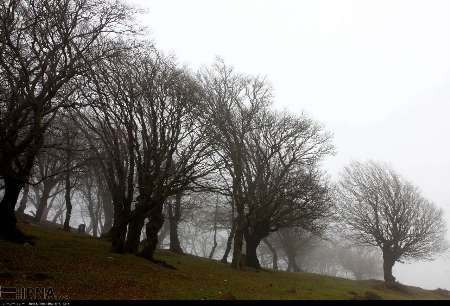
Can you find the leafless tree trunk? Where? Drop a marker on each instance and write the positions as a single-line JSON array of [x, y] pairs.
[[8, 219], [174, 219], [230, 236], [154, 224], [216, 210], [24, 201], [135, 229], [70, 135], [105, 197], [67, 197], [43, 209]]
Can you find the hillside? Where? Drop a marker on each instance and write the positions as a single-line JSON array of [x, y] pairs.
[[81, 267]]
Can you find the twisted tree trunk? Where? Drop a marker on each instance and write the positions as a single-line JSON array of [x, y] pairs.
[[42, 210], [119, 229], [156, 221], [252, 243], [8, 229], [135, 230], [388, 264], [174, 219]]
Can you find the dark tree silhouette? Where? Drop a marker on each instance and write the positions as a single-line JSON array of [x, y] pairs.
[[378, 207], [233, 101], [108, 127], [171, 154]]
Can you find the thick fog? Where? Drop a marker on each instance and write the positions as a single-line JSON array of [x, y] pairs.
[[376, 73]]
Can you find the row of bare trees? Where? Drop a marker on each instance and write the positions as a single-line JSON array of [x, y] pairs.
[[91, 115], [46, 49], [66, 175]]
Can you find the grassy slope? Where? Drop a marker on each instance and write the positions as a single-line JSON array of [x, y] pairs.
[[81, 267]]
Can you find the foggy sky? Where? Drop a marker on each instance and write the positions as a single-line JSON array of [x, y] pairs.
[[375, 73]]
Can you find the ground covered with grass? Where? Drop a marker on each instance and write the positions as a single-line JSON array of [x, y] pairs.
[[81, 267]]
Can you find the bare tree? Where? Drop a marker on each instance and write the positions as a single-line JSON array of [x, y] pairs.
[[270, 158], [74, 149], [108, 127], [233, 101], [171, 154], [146, 130], [47, 174], [44, 46], [362, 262], [380, 208], [89, 189], [320, 256], [97, 199], [294, 242], [202, 227], [283, 185]]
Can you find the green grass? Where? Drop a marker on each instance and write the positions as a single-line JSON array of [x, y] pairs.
[[81, 267]]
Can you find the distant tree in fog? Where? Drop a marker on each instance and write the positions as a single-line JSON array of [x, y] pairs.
[[293, 243], [47, 174], [378, 207], [362, 262]]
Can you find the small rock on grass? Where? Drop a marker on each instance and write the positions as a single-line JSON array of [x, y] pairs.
[[228, 296]]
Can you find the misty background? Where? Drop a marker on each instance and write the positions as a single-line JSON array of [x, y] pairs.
[[375, 73]]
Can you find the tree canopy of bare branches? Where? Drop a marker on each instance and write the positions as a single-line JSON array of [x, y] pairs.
[[271, 158], [378, 207]]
